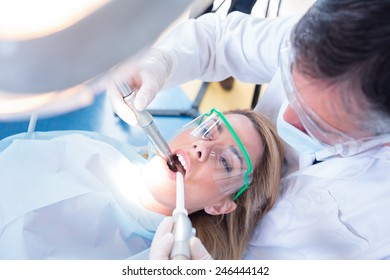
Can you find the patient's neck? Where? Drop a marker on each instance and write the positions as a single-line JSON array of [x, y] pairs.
[[150, 203]]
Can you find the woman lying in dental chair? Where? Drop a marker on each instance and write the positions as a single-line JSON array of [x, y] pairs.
[[67, 195]]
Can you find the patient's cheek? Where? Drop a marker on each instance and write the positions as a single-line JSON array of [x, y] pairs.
[[157, 176]]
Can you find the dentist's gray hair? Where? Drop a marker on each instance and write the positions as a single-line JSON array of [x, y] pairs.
[[346, 43]]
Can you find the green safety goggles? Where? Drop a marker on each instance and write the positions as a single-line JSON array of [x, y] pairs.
[[232, 167]]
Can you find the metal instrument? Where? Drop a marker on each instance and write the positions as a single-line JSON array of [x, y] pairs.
[[145, 120]]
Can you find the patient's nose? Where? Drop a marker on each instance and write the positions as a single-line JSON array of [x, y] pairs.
[[292, 118], [202, 149]]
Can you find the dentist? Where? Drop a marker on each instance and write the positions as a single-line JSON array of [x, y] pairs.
[[328, 94]]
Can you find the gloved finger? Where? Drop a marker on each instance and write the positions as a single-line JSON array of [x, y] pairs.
[[120, 107], [147, 91], [162, 241], [198, 251], [161, 250], [165, 226]]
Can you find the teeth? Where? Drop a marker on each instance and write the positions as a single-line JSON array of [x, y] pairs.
[[182, 161]]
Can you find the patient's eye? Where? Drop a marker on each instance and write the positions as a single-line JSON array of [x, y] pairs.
[[207, 133], [209, 130], [225, 164], [230, 160]]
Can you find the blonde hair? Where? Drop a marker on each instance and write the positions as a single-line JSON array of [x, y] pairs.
[[227, 236]]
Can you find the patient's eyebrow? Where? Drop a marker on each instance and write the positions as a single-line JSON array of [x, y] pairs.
[[237, 154]]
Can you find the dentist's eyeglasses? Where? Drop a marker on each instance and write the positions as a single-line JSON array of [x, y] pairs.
[[315, 126], [231, 164]]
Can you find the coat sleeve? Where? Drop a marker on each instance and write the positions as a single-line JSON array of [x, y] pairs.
[[212, 48]]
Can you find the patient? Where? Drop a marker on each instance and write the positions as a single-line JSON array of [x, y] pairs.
[[84, 196]]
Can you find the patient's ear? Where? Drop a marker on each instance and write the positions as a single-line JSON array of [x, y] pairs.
[[225, 206]]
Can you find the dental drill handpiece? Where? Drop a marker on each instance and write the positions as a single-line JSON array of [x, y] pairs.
[[182, 226], [145, 120]]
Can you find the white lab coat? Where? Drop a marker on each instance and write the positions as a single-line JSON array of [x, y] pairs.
[[72, 196], [336, 209]]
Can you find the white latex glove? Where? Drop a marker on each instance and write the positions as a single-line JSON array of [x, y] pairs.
[[198, 251], [146, 81], [163, 241]]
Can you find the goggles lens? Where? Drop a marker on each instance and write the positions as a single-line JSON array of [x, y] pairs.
[[231, 163], [314, 125]]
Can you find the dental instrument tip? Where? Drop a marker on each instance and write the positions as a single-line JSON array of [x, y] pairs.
[[177, 168], [171, 165]]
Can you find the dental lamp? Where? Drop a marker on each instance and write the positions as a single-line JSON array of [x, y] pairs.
[[54, 53]]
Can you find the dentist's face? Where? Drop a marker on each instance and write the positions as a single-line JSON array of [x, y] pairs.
[[331, 110], [198, 158]]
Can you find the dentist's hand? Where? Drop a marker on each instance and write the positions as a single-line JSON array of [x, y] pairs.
[[146, 81], [163, 241], [198, 251]]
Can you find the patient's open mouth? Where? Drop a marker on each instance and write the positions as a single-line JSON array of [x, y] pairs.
[[179, 164]]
